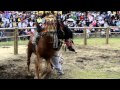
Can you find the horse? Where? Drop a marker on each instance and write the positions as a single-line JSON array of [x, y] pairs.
[[45, 48]]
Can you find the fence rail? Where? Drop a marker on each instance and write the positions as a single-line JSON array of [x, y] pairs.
[[69, 27], [17, 28], [94, 27], [85, 34]]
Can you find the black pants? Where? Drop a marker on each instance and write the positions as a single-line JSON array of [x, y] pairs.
[[71, 48]]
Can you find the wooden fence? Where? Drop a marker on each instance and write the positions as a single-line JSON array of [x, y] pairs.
[[16, 36], [85, 34]]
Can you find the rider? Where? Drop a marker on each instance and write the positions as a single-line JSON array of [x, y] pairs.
[[40, 26], [37, 31]]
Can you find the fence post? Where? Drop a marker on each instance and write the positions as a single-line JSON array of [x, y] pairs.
[[107, 36], [16, 41], [85, 37], [95, 33]]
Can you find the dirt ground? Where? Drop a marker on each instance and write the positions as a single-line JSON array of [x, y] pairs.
[[88, 63]]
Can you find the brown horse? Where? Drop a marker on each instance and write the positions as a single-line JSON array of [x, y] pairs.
[[44, 49]]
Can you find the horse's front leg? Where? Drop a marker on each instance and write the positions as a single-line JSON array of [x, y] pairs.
[[49, 67]]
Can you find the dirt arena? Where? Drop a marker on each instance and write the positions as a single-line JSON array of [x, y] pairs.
[[88, 63]]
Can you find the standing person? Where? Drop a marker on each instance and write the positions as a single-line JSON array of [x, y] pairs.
[[0, 17], [68, 35], [20, 24], [10, 25], [88, 31], [31, 23]]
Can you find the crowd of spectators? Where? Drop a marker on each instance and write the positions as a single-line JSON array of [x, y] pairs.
[[94, 19], [9, 19]]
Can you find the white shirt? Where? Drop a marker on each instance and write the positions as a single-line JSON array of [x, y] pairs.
[[3, 19], [0, 15], [100, 18], [90, 18], [31, 24], [88, 31], [102, 32], [109, 12], [24, 24], [32, 30], [105, 24], [63, 17], [26, 21], [13, 16], [3, 25], [101, 21], [32, 16], [94, 14], [10, 25], [7, 20], [19, 24], [65, 22], [84, 22]]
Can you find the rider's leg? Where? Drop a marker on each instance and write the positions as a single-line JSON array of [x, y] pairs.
[[56, 60], [34, 41]]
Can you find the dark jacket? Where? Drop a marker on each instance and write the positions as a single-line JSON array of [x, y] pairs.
[[68, 32], [39, 28]]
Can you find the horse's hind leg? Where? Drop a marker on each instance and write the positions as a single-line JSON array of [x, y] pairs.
[[37, 68], [29, 53]]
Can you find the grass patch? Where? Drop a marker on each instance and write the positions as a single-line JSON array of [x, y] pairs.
[[99, 42], [11, 43], [113, 42], [93, 74]]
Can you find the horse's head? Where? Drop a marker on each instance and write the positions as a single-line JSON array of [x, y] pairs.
[[50, 22], [48, 25]]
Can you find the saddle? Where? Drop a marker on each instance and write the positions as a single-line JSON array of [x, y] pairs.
[[57, 43]]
